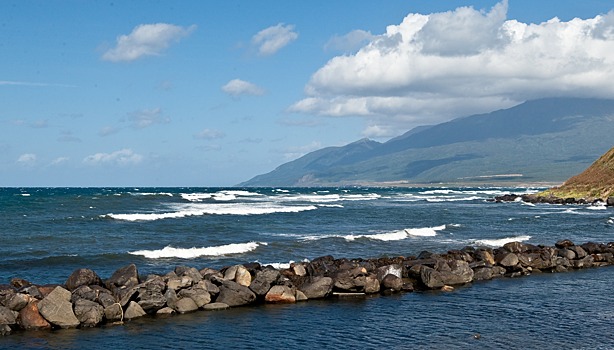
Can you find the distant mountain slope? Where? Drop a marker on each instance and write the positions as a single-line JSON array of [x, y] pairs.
[[545, 140]]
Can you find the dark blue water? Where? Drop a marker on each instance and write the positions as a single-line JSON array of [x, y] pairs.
[[47, 233]]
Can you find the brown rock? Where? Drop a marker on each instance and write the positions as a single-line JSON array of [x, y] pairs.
[[30, 318], [280, 294]]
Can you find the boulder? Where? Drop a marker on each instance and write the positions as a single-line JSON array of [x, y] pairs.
[[6, 293], [198, 293], [105, 299], [482, 274], [82, 277], [485, 256], [134, 310], [280, 294], [5, 329], [151, 295], [395, 270], [580, 252], [125, 277], [506, 259], [299, 270], [564, 243], [372, 284], [234, 294], [30, 318], [57, 309], [446, 273], [114, 312], [20, 283], [184, 305], [216, 306], [610, 202], [318, 287], [89, 313], [300, 296], [583, 263], [18, 301], [243, 277], [263, 280], [32, 291], [176, 283], [166, 311], [566, 253], [83, 292], [7, 316], [392, 282], [191, 272]]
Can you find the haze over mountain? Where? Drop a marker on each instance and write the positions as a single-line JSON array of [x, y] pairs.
[[546, 140]]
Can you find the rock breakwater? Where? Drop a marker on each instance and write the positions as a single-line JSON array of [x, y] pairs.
[[85, 300]]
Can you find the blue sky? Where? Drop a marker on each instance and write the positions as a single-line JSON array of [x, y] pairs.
[[212, 93]]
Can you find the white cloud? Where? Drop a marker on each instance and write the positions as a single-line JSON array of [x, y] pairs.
[[272, 39], [299, 151], [107, 130], [349, 42], [209, 134], [431, 68], [147, 117], [146, 40], [379, 131], [27, 159], [59, 160], [238, 87], [122, 157]]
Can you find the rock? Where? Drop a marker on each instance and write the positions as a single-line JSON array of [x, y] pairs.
[[566, 253], [184, 305], [564, 243], [515, 247], [447, 288], [125, 277], [18, 301], [151, 295], [372, 284], [114, 312], [485, 256], [57, 309], [392, 282], [83, 292], [395, 270], [5, 329], [280, 294], [243, 277], [89, 313], [300, 296], [580, 252], [177, 283], [134, 310], [583, 263], [263, 281], [506, 259], [7, 316], [318, 287], [610, 201], [6, 293], [191, 272], [482, 274], [32, 291], [105, 299], [446, 273], [216, 306], [299, 269], [198, 293], [593, 248], [20, 283], [234, 294], [166, 311], [82, 277], [30, 318]]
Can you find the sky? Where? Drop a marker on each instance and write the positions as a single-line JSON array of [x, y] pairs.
[[212, 93]]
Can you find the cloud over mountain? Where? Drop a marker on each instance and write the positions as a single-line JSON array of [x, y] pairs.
[[432, 67]]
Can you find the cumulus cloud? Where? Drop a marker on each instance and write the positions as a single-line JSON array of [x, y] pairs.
[[122, 157], [209, 134], [349, 42], [146, 40], [237, 87], [27, 159], [431, 68], [270, 40], [147, 117]]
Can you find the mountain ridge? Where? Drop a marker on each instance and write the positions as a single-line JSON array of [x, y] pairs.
[[545, 140]]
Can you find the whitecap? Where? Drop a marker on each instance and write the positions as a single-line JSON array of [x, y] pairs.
[[25, 195], [502, 241], [190, 253], [597, 207], [330, 205], [400, 235]]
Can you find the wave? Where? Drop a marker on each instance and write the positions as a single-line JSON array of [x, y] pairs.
[[225, 195], [597, 207], [190, 253], [501, 241], [151, 194], [328, 197], [212, 209], [400, 235]]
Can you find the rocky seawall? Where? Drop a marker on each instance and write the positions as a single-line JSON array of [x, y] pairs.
[[85, 300], [536, 198]]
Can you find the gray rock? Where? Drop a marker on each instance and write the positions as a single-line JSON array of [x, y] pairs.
[[32, 291], [114, 312], [171, 297], [83, 292], [200, 295], [395, 270], [191, 272], [18, 301], [300, 296], [392, 282], [166, 311], [372, 284], [580, 252], [263, 281], [299, 270], [106, 299], [583, 263], [482, 274], [7, 316], [57, 309], [177, 283], [318, 287], [184, 305], [6, 293], [243, 277], [151, 294], [134, 310], [216, 306], [5, 329], [280, 294], [446, 273], [506, 259], [234, 294], [82, 277], [566, 253], [610, 201], [89, 313], [564, 243], [124, 277]]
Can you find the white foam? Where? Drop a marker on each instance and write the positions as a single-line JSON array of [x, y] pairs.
[[597, 207], [190, 253], [25, 195], [330, 205], [399, 235], [186, 210], [151, 194], [502, 241]]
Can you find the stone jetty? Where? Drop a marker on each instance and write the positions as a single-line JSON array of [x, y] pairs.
[[86, 300]]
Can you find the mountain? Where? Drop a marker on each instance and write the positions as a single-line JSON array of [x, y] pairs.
[[596, 182], [546, 140]]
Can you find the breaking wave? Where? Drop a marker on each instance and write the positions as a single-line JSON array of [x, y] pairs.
[[190, 253], [502, 241]]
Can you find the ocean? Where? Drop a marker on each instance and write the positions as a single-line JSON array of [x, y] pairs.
[[47, 233]]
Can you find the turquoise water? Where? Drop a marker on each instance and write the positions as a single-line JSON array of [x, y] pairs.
[[47, 233]]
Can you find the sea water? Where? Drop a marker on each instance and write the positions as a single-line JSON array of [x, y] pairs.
[[47, 233]]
